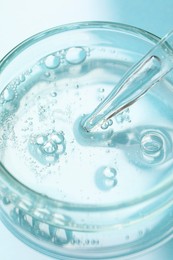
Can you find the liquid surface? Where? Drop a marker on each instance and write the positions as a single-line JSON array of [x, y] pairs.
[[44, 145]]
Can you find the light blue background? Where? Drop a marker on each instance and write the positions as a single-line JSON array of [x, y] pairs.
[[20, 19]]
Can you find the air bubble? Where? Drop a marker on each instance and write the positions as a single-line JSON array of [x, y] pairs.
[[8, 94], [101, 90], [58, 138], [53, 94], [48, 147], [105, 125], [109, 172], [152, 147], [123, 117], [52, 61], [151, 143], [106, 178], [75, 55]]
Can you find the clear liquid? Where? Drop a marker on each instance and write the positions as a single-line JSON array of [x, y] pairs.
[[44, 145]]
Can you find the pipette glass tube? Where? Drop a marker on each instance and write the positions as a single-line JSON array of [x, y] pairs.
[[135, 83]]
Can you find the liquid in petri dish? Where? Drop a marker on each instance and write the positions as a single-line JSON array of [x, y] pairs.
[[44, 145]]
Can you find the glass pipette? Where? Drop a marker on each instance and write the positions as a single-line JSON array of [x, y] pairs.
[[135, 83]]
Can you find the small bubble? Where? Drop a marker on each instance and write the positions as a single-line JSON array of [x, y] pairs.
[[52, 61], [123, 117], [40, 139], [22, 78], [75, 55], [109, 172], [57, 138], [53, 94], [110, 183], [106, 178], [47, 74], [100, 98], [8, 94], [101, 90], [49, 148], [152, 147], [151, 143], [110, 122], [28, 72], [105, 125]]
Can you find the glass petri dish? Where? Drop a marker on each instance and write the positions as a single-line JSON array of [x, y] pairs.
[[76, 195]]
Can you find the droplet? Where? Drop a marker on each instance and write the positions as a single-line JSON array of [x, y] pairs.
[[152, 147], [100, 98], [75, 55], [110, 183], [106, 178], [52, 61], [8, 94], [106, 124]]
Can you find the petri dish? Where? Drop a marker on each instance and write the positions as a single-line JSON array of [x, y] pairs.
[[72, 194]]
